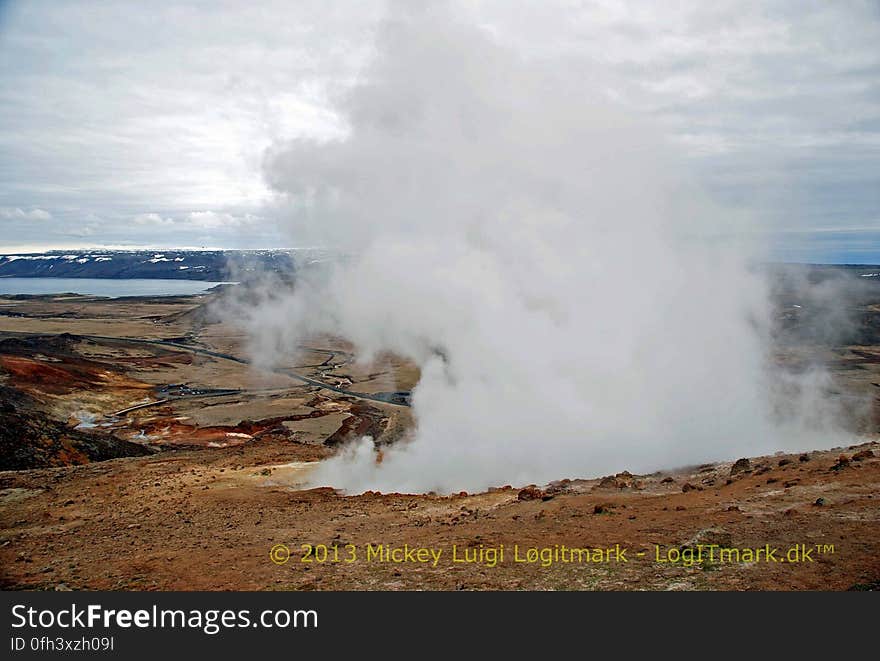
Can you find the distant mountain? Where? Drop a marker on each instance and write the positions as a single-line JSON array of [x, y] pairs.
[[212, 265]]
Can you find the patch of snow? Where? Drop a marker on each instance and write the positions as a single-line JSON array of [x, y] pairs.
[[182, 268]]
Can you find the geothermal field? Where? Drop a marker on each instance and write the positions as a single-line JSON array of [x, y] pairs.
[[142, 451], [447, 295]]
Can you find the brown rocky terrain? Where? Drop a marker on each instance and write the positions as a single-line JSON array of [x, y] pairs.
[[29, 438], [147, 454], [198, 520]]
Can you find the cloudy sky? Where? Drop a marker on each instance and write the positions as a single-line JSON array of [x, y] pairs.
[[146, 124]]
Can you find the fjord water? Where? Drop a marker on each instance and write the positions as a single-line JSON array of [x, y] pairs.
[[109, 287]]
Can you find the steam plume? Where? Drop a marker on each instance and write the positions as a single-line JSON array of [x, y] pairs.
[[539, 254]]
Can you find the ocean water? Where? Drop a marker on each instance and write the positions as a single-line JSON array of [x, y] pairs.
[[110, 287]]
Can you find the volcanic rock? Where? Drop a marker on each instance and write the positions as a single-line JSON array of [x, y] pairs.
[[740, 466]]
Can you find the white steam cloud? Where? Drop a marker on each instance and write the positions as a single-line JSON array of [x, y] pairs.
[[540, 256]]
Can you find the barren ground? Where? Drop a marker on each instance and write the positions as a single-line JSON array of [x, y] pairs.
[[221, 486]]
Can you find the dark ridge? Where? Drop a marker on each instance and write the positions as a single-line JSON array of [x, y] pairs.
[[213, 265], [29, 439]]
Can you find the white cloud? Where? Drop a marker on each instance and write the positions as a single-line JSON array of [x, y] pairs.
[[17, 213], [213, 219], [204, 219], [152, 219], [777, 102]]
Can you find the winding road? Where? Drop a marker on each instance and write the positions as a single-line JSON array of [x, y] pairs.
[[225, 356]]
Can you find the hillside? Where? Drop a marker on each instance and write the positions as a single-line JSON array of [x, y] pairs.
[[211, 265]]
